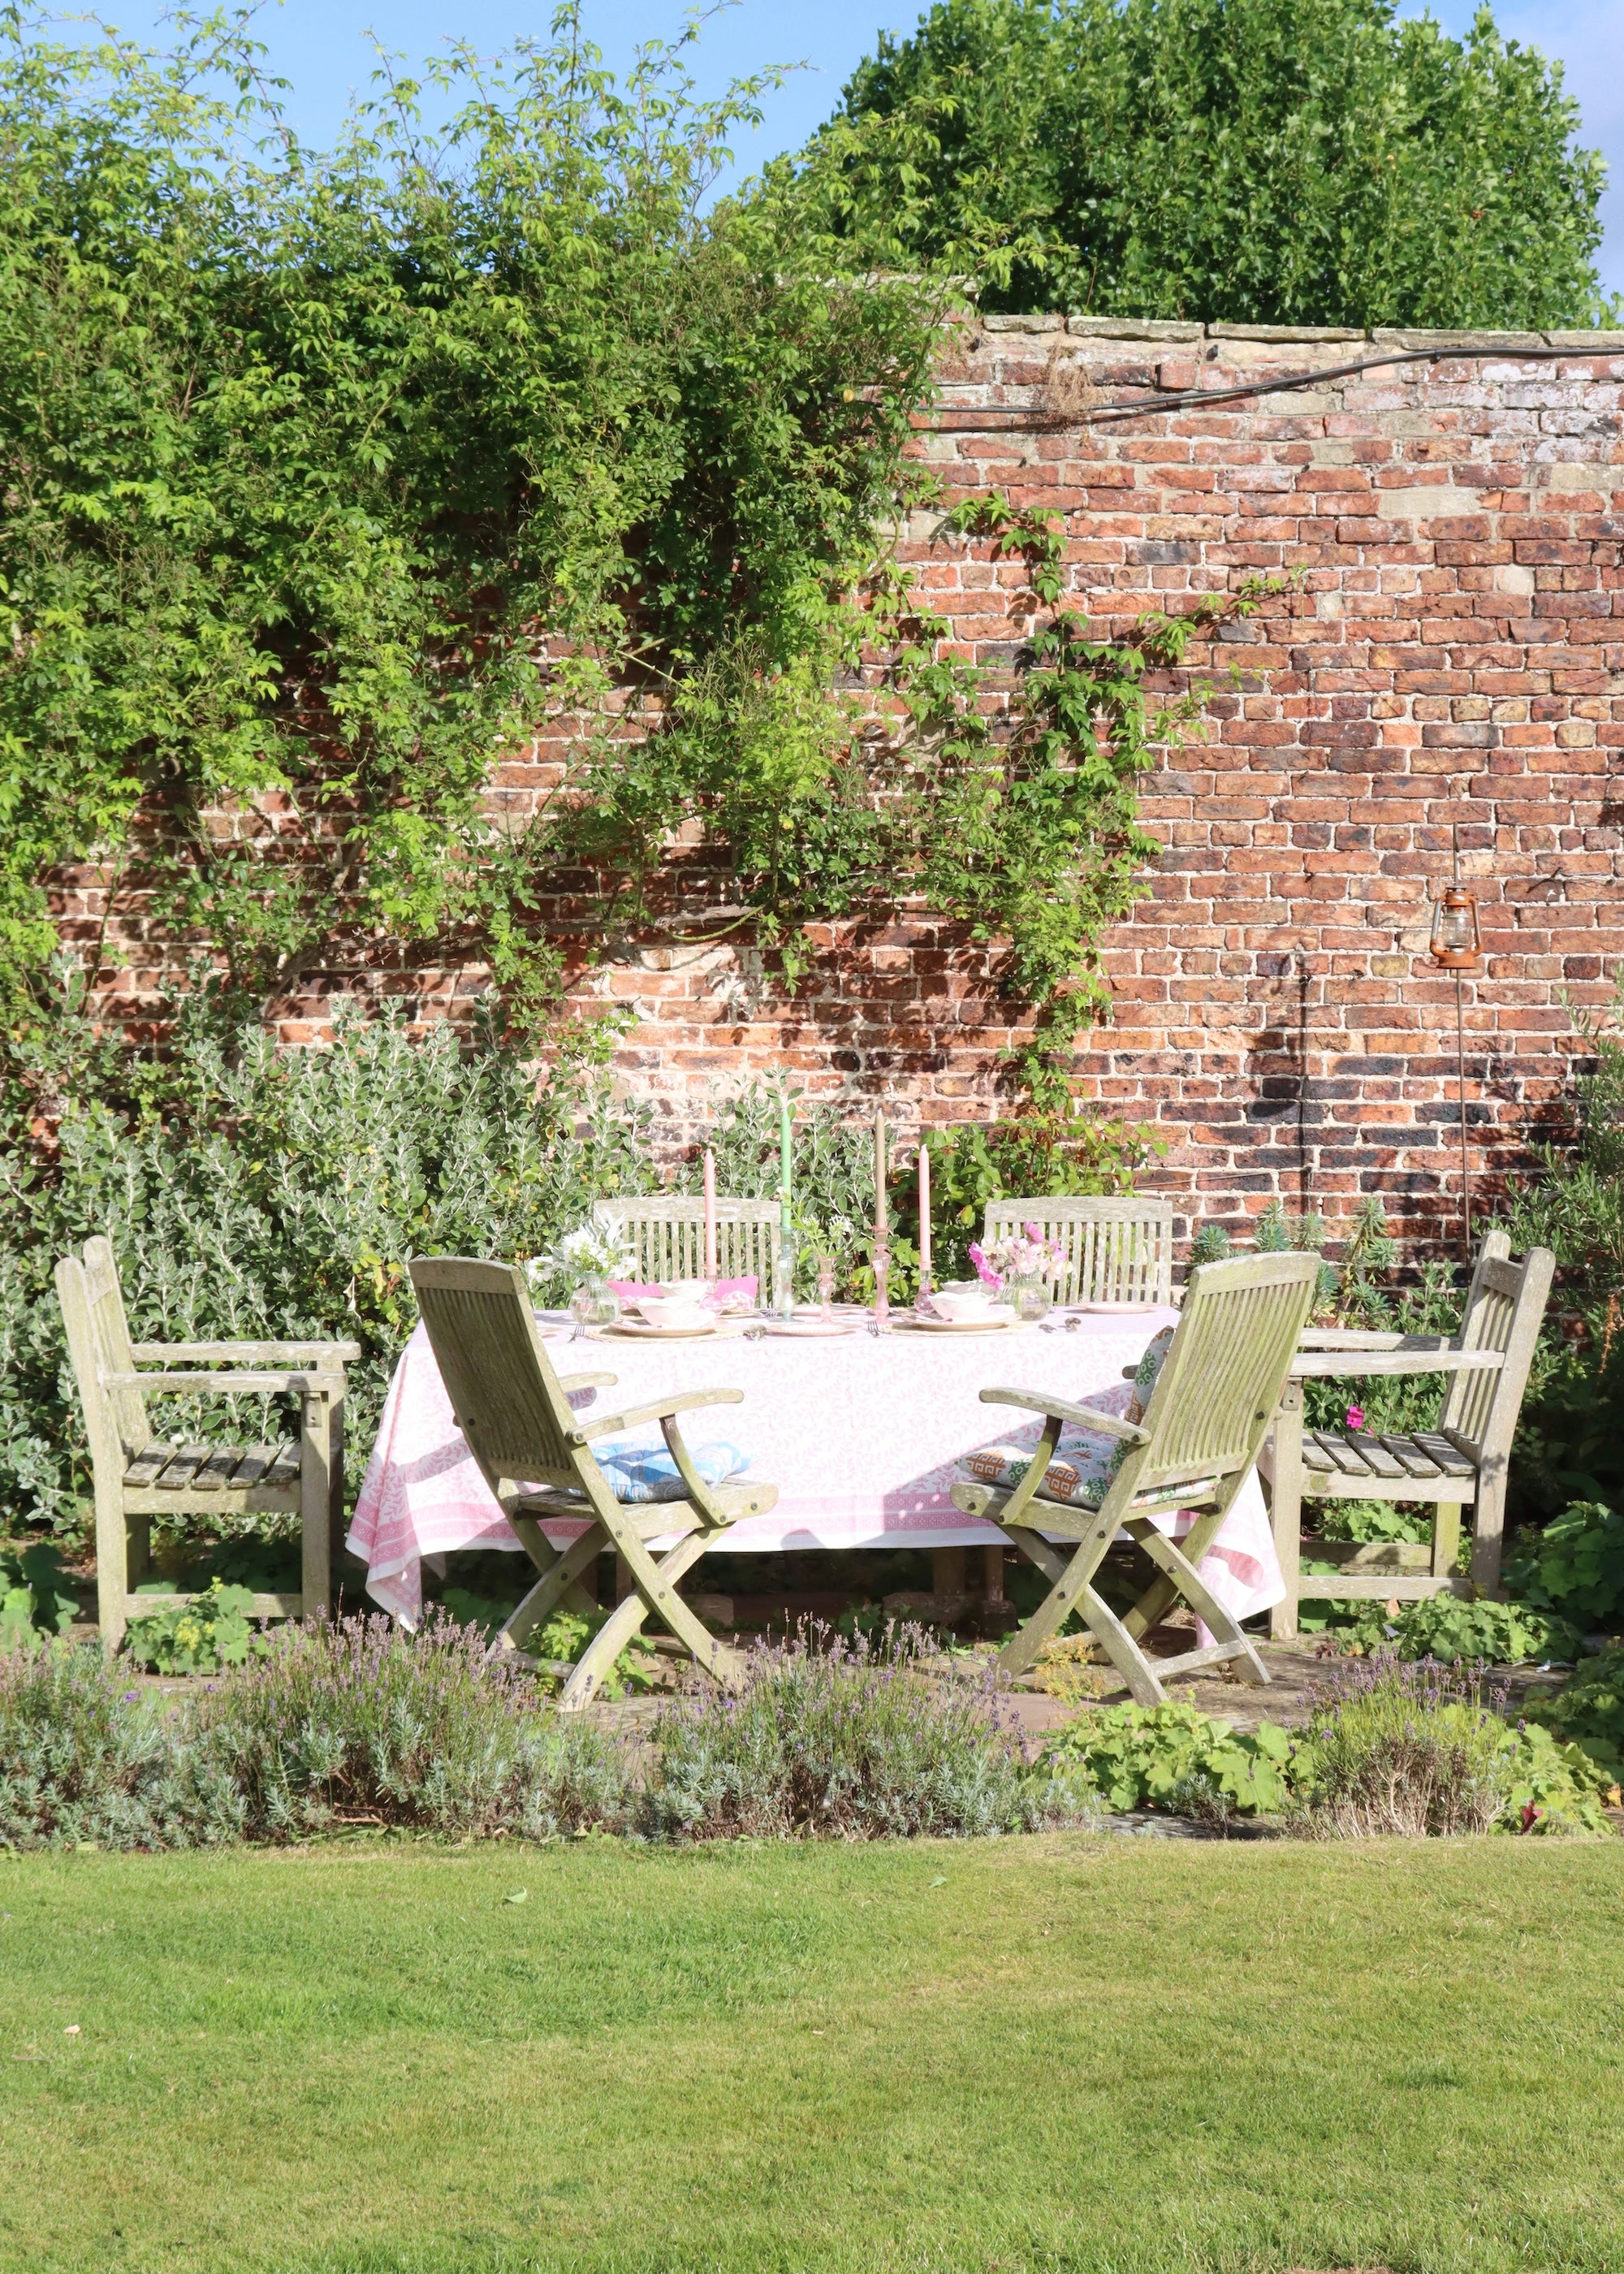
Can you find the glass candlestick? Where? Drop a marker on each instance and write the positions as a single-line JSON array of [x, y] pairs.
[[882, 1284], [785, 1307], [826, 1288]]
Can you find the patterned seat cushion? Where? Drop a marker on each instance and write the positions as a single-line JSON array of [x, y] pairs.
[[1084, 1462], [1080, 1470], [637, 1473]]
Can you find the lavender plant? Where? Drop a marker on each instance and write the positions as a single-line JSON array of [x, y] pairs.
[[858, 1740], [86, 1761], [358, 1723]]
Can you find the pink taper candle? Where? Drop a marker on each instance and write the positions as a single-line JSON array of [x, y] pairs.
[[924, 1217], [710, 1272]]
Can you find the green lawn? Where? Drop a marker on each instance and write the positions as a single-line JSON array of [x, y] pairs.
[[1124, 2055]]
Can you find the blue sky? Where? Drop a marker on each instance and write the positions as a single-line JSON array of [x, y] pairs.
[[320, 47]]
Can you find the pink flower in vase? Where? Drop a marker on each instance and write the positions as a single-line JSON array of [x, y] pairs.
[[984, 1269], [1355, 1417]]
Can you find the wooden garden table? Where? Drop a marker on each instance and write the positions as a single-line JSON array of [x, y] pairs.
[[859, 1432]]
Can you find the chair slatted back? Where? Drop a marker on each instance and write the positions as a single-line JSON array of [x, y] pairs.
[[1232, 1350], [667, 1232], [504, 1393], [1505, 1309], [93, 1310], [106, 1299], [1117, 1251]]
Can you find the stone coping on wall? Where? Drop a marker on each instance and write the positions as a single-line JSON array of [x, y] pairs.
[[1136, 328]]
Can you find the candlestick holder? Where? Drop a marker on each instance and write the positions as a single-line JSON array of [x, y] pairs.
[[785, 1306], [882, 1284]]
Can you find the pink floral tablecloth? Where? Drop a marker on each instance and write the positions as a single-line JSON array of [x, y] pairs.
[[860, 1433]]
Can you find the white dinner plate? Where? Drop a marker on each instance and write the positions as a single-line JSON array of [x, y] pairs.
[[810, 1326], [1116, 1310], [647, 1328], [958, 1326]]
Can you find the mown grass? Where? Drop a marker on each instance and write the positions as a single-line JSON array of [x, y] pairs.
[[1042, 2054]]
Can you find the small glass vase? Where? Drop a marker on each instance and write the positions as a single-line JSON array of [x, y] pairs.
[[592, 1304], [1029, 1298]]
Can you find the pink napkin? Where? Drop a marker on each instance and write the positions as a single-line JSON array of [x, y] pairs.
[[723, 1292]]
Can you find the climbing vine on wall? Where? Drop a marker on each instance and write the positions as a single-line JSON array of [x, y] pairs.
[[324, 478]]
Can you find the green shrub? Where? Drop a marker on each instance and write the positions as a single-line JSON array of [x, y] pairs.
[[32, 1596], [85, 1760], [1569, 1445], [255, 1193], [1575, 1566], [1500, 1634], [1172, 1757], [851, 1742], [1444, 1628], [199, 1636], [1588, 1711], [1415, 1749], [359, 1723]]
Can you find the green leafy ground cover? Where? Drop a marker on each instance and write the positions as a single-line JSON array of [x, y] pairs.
[[1036, 2055]]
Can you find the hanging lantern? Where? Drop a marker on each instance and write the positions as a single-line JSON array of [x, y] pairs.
[[1455, 944]]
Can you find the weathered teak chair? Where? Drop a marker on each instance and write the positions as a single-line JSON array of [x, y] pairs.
[[534, 1452], [1459, 1464], [667, 1233], [1116, 1251], [1199, 1440], [137, 1477]]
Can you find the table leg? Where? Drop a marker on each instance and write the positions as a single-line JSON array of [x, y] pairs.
[[947, 1571], [623, 1581], [992, 1576]]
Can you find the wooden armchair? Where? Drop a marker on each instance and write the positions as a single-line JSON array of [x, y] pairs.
[[1116, 1251], [1461, 1463], [1199, 1440], [667, 1232], [137, 1477], [535, 1453]]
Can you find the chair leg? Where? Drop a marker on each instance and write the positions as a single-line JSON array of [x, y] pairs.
[[316, 1504], [1124, 1652], [1286, 1509], [1071, 1575], [1488, 1523], [1445, 1538], [1188, 1582], [112, 1564], [559, 1575], [624, 1622]]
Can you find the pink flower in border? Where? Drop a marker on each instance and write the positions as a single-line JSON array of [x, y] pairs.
[[984, 1269], [1355, 1417]]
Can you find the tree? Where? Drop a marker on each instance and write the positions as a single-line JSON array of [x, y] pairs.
[[1306, 162]]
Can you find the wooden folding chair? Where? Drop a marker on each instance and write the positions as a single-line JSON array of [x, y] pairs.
[[1198, 1442], [666, 1233], [138, 1478], [1117, 1251], [535, 1453], [1459, 1464]]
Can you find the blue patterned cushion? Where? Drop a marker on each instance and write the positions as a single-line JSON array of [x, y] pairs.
[[642, 1472]]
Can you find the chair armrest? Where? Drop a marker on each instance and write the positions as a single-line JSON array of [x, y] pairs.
[[1337, 1338], [248, 1353], [588, 1381], [1061, 1409], [1350, 1364], [227, 1384], [657, 1410]]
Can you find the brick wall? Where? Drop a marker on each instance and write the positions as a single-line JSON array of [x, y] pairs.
[[1453, 653]]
